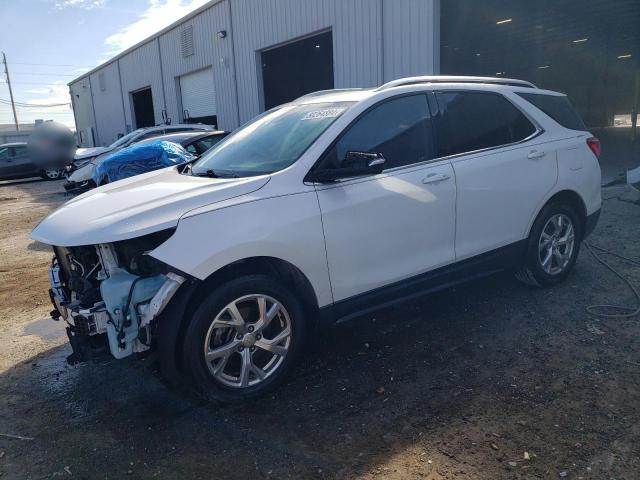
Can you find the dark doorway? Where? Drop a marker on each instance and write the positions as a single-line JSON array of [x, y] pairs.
[[297, 68], [143, 108]]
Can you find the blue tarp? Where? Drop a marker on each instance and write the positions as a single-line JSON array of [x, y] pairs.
[[139, 159]]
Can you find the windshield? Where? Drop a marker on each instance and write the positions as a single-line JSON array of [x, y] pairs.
[[122, 140], [271, 142]]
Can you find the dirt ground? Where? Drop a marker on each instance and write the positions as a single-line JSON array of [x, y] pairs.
[[492, 380]]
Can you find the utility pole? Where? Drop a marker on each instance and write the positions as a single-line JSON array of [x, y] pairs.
[[13, 106]]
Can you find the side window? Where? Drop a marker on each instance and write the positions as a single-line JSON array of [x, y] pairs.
[[206, 143], [192, 149], [471, 121], [20, 151], [399, 129], [4, 153]]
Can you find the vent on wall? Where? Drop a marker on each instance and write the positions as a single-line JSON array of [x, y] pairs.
[[186, 41], [101, 82]]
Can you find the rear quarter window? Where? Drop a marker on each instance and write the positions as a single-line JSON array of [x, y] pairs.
[[557, 107]]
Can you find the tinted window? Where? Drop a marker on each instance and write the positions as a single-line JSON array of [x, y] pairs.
[[557, 107], [472, 121], [20, 151], [399, 129], [4, 153]]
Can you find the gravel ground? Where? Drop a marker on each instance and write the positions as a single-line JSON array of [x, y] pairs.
[[488, 381]]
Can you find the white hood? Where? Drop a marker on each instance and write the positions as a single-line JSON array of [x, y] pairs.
[[136, 206], [89, 152]]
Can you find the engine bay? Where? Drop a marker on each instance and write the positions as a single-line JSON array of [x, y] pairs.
[[110, 294]]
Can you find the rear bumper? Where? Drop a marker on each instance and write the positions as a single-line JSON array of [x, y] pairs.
[[591, 222]]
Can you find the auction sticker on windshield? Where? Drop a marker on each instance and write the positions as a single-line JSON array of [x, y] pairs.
[[326, 113]]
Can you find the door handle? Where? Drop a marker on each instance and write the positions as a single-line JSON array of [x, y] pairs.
[[534, 154], [435, 178]]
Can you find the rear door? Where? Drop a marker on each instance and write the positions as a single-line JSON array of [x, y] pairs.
[[388, 227], [502, 166]]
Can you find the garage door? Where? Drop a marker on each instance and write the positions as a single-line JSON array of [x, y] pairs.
[[198, 97]]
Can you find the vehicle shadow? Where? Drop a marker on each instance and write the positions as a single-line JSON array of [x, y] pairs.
[[22, 181], [457, 384]]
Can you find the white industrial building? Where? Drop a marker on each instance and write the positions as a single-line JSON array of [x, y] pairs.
[[231, 59]]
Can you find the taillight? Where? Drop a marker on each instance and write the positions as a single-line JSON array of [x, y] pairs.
[[594, 145]]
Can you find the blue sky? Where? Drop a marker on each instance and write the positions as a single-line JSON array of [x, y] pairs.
[[50, 42]]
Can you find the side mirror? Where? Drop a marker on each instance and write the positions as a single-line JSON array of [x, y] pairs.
[[356, 164]]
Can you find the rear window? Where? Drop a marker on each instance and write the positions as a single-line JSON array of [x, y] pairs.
[[557, 107], [471, 121]]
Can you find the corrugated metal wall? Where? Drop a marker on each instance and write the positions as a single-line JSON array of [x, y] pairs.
[[82, 110], [139, 69], [411, 38], [107, 104], [373, 41], [209, 50]]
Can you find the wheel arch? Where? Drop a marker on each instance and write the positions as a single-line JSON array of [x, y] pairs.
[[290, 275], [567, 197], [194, 292]]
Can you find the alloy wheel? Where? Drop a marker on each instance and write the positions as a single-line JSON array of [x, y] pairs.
[[556, 244], [53, 174], [247, 341]]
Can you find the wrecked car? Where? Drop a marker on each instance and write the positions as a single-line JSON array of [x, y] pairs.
[[320, 210], [140, 159], [79, 174], [175, 149]]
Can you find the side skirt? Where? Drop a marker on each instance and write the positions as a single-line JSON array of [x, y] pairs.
[[501, 259]]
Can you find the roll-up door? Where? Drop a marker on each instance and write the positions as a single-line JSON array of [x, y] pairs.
[[198, 97]]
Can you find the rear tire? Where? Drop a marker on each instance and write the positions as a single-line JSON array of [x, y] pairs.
[[52, 174], [552, 247], [243, 339]]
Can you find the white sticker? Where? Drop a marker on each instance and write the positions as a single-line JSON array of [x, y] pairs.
[[327, 113]]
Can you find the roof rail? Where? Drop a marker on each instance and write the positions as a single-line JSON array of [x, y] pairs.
[[455, 79], [331, 90]]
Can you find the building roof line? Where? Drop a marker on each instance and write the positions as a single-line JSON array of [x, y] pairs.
[[156, 35]]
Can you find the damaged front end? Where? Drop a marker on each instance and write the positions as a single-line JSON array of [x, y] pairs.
[[111, 294]]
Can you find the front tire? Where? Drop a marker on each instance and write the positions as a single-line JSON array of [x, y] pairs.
[[553, 246], [243, 339]]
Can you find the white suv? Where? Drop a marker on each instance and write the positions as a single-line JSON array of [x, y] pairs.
[[317, 211]]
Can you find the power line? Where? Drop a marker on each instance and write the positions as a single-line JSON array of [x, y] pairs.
[[34, 105], [47, 74], [35, 83], [52, 65]]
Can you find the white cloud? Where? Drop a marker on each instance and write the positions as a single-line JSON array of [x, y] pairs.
[[159, 14], [84, 4]]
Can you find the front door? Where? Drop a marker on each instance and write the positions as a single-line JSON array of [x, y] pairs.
[[5, 163], [386, 228], [21, 161]]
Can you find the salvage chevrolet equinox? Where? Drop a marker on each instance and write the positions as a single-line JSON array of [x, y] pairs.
[[317, 211]]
